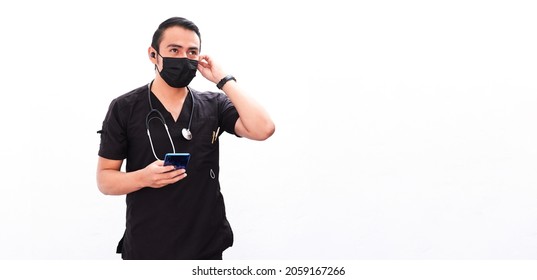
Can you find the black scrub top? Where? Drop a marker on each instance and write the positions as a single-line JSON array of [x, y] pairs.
[[185, 220]]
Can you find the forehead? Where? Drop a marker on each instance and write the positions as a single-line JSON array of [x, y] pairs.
[[180, 36]]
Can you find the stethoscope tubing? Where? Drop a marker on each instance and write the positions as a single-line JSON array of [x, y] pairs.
[[185, 131]]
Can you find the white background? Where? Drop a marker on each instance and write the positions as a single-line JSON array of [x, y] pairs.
[[404, 129]]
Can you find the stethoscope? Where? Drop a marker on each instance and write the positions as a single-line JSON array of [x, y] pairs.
[[187, 134]]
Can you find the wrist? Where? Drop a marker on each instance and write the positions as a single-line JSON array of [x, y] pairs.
[[224, 80], [140, 179]]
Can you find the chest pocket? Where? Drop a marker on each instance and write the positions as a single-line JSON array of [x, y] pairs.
[[205, 140]]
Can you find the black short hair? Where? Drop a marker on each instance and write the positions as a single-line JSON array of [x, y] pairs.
[[173, 21]]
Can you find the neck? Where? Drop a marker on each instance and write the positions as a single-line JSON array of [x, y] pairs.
[[163, 91], [171, 98]]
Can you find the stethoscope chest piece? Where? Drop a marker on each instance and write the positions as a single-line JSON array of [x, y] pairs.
[[186, 133]]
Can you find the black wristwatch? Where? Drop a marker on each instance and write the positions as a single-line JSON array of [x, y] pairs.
[[224, 81]]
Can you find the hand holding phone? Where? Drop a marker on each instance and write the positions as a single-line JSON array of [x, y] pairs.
[[179, 160]]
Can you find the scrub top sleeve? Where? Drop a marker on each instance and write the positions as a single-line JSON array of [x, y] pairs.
[[113, 136], [228, 115]]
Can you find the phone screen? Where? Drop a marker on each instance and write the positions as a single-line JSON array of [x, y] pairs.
[[179, 160]]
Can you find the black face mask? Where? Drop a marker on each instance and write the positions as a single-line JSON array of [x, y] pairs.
[[178, 72]]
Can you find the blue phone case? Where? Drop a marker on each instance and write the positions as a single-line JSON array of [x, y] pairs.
[[179, 160]]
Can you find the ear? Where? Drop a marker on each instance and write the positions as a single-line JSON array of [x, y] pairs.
[[152, 53]]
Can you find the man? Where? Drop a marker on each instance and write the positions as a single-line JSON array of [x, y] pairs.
[[171, 215]]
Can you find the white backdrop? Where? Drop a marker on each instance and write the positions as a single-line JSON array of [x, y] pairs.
[[404, 129]]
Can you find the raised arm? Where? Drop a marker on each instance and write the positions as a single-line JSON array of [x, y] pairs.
[[254, 122]]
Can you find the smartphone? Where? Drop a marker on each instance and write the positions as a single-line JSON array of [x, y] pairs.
[[179, 160]]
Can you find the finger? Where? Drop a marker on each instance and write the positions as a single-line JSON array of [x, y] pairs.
[[203, 64], [168, 168], [179, 177], [164, 176], [176, 173], [167, 181], [164, 169], [204, 58]]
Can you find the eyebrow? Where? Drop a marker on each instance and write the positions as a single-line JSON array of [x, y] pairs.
[[179, 46]]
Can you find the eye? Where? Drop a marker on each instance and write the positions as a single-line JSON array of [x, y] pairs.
[[174, 50], [193, 52]]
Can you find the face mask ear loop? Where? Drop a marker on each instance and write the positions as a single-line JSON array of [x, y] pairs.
[[156, 57]]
